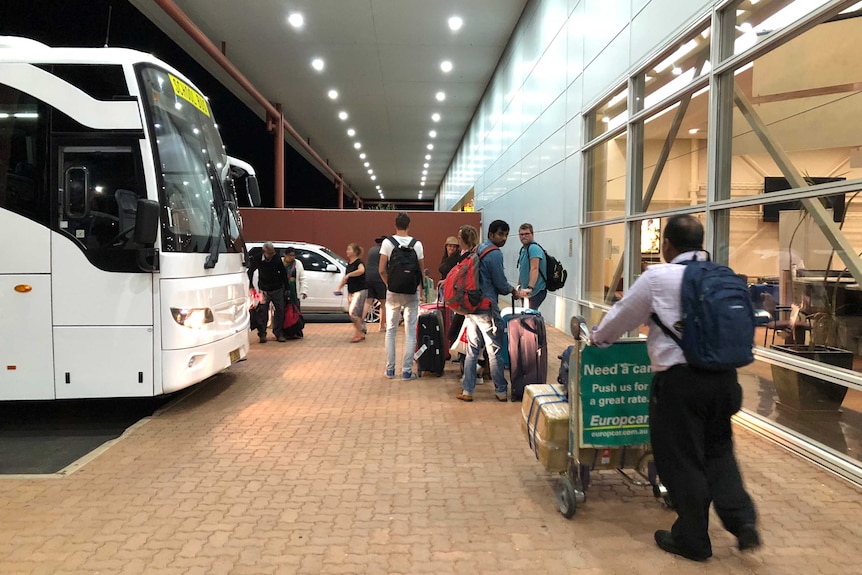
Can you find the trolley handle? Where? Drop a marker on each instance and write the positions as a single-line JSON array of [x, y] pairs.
[[579, 328]]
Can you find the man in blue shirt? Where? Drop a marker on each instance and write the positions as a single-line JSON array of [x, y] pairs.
[[485, 327], [531, 267]]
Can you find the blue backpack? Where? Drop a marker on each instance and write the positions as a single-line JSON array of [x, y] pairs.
[[717, 317]]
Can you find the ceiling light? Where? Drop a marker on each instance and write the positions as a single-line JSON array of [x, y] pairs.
[[378, 186], [367, 164], [343, 115], [427, 156], [676, 71], [435, 117], [351, 132], [693, 131], [317, 64], [370, 171], [333, 94], [432, 133], [446, 66], [455, 23], [357, 145], [430, 146], [424, 172], [362, 156], [440, 96], [373, 178], [425, 165], [296, 20]]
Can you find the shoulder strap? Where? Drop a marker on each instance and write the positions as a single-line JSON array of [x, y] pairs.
[[654, 316], [393, 240], [412, 243], [488, 250]]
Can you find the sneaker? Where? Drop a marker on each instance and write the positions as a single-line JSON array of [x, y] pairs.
[[748, 538], [501, 397], [263, 339], [281, 338], [464, 396], [407, 375], [664, 539], [390, 373]]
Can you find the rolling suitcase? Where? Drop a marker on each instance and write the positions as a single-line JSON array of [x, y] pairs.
[[445, 314], [528, 351], [431, 348]]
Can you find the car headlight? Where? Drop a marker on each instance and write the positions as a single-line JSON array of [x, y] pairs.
[[192, 318]]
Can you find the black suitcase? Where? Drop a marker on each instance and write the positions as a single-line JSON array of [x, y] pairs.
[[528, 351], [430, 335]]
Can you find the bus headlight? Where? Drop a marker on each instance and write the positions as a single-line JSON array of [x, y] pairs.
[[192, 318]]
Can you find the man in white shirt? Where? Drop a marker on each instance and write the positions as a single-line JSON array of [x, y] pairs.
[[406, 281], [690, 409]]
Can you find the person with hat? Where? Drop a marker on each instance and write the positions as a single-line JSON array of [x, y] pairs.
[[376, 287], [451, 256]]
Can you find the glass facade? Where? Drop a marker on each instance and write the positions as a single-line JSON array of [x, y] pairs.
[[748, 121]]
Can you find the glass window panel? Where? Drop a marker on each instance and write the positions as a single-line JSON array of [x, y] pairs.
[[807, 93], [604, 247], [677, 68], [606, 179], [675, 154], [608, 115], [798, 280], [756, 20], [769, 392]]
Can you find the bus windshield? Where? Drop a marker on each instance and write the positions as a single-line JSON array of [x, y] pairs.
[[192, 165]]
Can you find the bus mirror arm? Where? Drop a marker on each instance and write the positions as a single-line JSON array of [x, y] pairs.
[[148, 259]]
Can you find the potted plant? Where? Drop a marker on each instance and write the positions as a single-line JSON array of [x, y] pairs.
[[803, 392]]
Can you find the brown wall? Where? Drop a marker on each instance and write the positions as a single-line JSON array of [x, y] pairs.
[[337, 228]]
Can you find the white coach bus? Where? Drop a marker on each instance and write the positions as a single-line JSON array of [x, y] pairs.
[[122, 266]]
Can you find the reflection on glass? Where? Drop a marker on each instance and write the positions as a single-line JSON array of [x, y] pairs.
[[608, 115], [675, 154], [839, 429], [807, 93], [606, 179], [604, 250], [758, 19], [677, 68]]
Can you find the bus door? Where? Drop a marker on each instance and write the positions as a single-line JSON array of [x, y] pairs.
[[103, 303]]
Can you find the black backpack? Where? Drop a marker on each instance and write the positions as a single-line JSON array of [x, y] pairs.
[[555, 274], [403, 268], [717, 317]]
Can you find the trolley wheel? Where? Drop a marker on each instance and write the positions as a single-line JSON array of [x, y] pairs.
[[567, 501]]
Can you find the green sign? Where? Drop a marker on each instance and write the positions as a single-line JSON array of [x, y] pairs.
[[615, 386]]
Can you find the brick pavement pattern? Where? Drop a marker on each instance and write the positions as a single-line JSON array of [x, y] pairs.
[[305, 459]]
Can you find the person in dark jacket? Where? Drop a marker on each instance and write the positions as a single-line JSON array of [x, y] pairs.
[[272, 280], [451, 256]]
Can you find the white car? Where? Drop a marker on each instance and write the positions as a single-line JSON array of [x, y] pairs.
[[323, 272]]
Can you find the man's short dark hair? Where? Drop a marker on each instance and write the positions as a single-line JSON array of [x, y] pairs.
[[402, 221], [498, 226], [684, 232], [290, 251]]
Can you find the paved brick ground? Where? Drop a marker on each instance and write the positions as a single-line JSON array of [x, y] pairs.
[[304, 459]]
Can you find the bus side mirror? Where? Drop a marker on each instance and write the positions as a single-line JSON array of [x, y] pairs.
[[253, 191], [146, 222]]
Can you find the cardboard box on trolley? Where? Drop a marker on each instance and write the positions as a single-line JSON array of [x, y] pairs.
[[545, 424]]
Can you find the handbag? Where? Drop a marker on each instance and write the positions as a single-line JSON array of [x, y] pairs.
[[461, 342]]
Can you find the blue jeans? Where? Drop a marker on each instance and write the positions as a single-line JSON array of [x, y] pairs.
[[395, 302], [484, 329]]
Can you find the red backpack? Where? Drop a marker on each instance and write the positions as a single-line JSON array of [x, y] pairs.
[[461, 290]]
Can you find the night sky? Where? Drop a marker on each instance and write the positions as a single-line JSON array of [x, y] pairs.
[[84, 22]]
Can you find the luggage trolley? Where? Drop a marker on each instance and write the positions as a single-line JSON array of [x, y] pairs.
[[608, 417]]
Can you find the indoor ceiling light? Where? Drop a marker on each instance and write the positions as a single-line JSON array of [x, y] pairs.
[[435, 117], [357, 145], [333, 94], [342, 115], [317, 64], [430, 146], [432, 134], [455, 23], [362, 156], [351, 132], [427, 156], [424, 172], [378, 186], [440, 96], [446, 66], [296, 20], [367, 164], [370, 171], [693, 131], [425, 165], [373, 178]]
